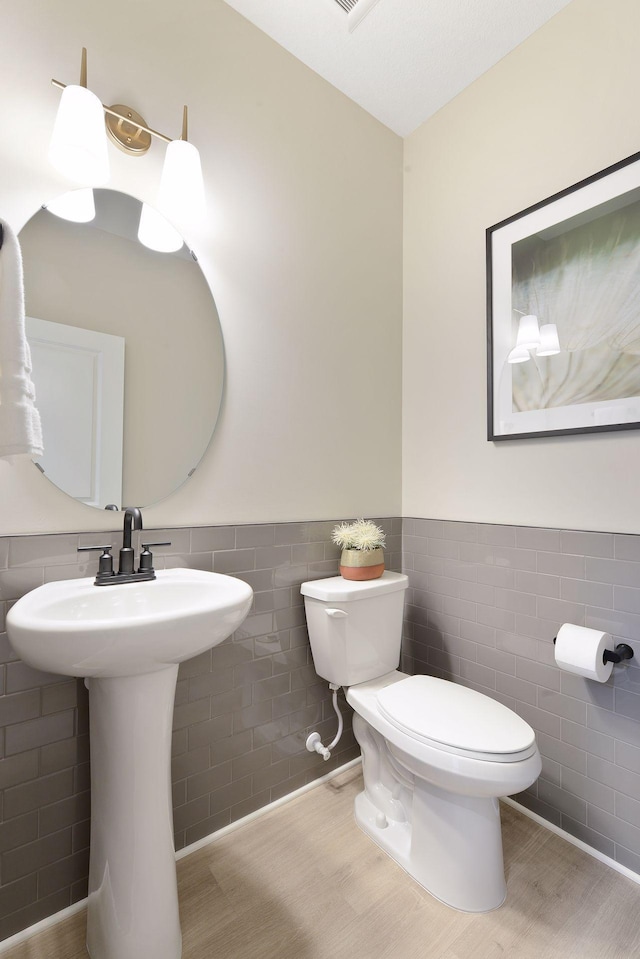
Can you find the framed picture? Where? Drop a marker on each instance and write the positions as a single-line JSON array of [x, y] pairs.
[[563, 305]]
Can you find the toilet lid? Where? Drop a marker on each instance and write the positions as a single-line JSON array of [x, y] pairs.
[[443, 712]]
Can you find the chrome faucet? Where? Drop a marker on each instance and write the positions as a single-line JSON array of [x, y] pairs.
[[127, 572]]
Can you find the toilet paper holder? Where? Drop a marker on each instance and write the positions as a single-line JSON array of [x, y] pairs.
[[621, 652], [617, 655]]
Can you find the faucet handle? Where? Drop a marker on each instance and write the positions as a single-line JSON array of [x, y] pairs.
[[105, 563], [146, 556]]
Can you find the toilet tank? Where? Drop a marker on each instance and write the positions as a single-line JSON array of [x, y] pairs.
[[355, 628]]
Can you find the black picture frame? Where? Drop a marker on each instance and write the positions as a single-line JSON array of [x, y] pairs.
[[573, 261]]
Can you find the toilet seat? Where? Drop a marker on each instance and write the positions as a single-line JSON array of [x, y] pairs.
[[456, 719], [460, 770]]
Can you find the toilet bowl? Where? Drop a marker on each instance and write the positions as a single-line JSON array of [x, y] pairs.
[[443, 827], [436, 755]]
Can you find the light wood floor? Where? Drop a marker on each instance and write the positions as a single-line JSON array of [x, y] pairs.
[[304, 883]]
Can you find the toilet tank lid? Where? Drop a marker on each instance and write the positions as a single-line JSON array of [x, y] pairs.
[[339, 590]]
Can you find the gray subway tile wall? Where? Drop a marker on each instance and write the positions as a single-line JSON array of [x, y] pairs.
[[483, 607], [242, 710]]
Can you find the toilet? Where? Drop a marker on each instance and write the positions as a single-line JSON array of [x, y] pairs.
[[436, 756]]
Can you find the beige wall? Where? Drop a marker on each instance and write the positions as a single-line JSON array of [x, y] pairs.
[[302, 250], [561, 107], [303, 253]]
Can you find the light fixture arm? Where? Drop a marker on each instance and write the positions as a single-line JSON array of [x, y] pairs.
[[119, 116], [83, 68]]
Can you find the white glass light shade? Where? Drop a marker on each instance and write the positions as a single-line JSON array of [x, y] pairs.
[[549, 342], [156, 233], [518, 355], [78, 146], [181, 194], [528, 332], [77, 206]]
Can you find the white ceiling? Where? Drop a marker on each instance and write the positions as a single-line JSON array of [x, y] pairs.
[[406, 58]]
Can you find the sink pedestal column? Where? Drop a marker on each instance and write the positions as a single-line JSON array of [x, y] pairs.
[[133, 896]]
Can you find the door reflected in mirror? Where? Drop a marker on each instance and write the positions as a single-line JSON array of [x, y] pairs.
[[92, 290]]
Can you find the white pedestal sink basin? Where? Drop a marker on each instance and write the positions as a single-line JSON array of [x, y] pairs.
[[127, 641]]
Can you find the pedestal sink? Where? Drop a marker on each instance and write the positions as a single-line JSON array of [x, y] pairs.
[[127, 641]]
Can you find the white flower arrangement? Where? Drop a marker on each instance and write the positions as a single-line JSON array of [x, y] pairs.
[[362, 534]]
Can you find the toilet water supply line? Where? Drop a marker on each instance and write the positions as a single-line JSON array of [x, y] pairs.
[[314, 743]]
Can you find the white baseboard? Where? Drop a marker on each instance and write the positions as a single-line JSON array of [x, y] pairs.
[[239, 823], [37, 927], [57, 917], [594, 853], [213, 837]]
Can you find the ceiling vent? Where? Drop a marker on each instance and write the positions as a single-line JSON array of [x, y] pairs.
[[356, 10]]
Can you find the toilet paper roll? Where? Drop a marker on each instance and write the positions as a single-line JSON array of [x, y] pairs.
[[579, 650]]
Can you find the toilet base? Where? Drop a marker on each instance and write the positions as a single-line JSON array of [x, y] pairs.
[[449, 843], [435, 866]]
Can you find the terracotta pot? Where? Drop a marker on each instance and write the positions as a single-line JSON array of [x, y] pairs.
[[361, 564]]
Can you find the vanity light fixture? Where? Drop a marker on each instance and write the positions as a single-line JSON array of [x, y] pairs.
[[79, 150], [78, 146], [181, 187]]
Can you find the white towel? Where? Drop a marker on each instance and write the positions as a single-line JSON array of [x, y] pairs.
[[20, 428]]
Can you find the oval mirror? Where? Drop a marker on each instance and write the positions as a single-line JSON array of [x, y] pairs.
[[127, 352]]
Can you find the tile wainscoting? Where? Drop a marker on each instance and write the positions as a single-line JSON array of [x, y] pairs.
[[484, 605], [242, 711]]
